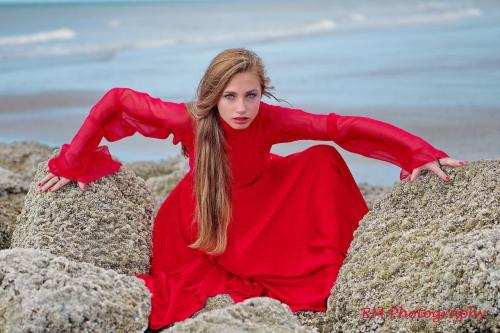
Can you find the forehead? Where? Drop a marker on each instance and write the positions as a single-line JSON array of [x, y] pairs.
[[243, 82]]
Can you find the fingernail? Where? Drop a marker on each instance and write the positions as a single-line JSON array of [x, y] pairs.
[[447, 178]]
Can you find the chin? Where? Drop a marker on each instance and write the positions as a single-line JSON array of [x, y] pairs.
[[242, 126]]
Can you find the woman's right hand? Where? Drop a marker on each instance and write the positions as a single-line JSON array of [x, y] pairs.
[[52, 183]]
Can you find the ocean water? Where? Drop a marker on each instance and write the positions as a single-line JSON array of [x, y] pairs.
[[331, 55]]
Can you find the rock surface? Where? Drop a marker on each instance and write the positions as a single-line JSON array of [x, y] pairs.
[[109, 225], [40, 292], [161, 186], [257, 314], [22, 157], [17, 165], [373, 193], [429, 245], [12, 183], [12, 191], [215, 302], [149, 169], [10, 207]]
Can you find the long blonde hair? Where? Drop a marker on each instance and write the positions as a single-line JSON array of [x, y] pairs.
[[212, 172]]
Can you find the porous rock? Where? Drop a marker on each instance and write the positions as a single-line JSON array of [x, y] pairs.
[[41, 292], [11, 182], [161, 186], [22, 157], [373, 193], [13, 188], [109, 225], [17, 165], [150, 169], [161, 177], [215, 302], [429, 246], [257, 314], [10, 207], [313, 319]]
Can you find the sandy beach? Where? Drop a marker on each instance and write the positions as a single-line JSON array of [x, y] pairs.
[[429, 69]]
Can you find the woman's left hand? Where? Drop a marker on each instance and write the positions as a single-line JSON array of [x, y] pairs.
[[434, 167]]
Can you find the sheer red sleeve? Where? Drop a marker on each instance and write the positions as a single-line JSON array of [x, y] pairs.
[[121, 112], [362, 135]]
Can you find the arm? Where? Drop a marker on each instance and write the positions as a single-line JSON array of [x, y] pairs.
[[362, 135], [121, 112]]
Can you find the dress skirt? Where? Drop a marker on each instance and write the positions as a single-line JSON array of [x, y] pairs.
[[288, 238]]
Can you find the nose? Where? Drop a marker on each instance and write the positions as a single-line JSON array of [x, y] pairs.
[[240, 107]]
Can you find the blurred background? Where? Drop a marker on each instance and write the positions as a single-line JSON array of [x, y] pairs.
[[429, 67]]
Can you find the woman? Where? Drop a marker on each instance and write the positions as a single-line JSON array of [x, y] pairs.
[[243, 221]]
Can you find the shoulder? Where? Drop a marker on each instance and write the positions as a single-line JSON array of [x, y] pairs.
[[271, 108], [267, 111], [272, 113], [266, 107]]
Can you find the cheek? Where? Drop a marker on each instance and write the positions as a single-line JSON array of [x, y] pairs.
[[255, 109], [223, 109]]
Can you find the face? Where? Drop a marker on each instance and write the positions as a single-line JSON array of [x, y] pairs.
[[239, 103]]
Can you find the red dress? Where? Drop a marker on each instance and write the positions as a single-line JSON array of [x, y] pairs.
[[293, 216]]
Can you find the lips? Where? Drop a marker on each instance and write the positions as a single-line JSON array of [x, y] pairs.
[[241, 120]]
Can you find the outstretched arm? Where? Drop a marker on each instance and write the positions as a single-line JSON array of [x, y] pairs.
[[357, 134], [121, 112]]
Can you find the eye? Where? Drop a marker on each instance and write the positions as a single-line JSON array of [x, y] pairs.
[[227, 96], [252, 95]]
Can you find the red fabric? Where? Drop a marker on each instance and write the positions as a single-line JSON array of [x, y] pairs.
[[293, 216], [121, 112]]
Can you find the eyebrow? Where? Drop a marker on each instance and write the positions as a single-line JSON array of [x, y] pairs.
[[232, 92]]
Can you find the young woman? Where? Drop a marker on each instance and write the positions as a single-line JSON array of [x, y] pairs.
[[243, 221]]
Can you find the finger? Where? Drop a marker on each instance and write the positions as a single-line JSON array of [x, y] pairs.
[[82, 186], [414, 174], [59, 184], [438, 171], [452, 162], [44, 179], [404, 174], [48, 184]]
